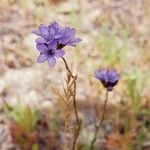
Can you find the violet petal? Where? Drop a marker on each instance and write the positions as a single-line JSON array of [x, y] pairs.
[[59, 53], [42, 58], [52, 61]]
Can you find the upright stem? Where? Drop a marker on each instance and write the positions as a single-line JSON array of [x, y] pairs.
[[74, 104], [100, 123], [65, 141], [77, 118], [67, 67]]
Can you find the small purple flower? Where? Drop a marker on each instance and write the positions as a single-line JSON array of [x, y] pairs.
[[49, 52], [47, 33], [52, 38], [69, 37], [109, 78]]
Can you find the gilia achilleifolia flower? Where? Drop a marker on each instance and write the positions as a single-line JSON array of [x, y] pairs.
[[52, 38], [109, 78]]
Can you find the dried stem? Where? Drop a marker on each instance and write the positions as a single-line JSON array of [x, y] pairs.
[[99, 125], [77, 118], [67, 68], [65, 142], [74, 78]]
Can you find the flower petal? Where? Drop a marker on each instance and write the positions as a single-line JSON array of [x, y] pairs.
[[63, 40], [37, 32], [56, 25], [77, 40], [51, 32], [72, 33], [52, 61], [59, 34], [44, 31], [40, 40], [59, 53], [42, 47], [42, 57], [53, 45], [100, 74], [74, 42]]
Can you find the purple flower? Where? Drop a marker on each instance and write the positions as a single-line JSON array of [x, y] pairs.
[[69, 37], [52, 38], [109, 78], [49, 52], [47, 33]]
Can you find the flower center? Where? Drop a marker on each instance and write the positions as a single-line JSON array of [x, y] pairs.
[[51, 52]]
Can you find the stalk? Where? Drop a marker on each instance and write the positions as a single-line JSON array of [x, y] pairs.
[[78, 123], [100, 123]]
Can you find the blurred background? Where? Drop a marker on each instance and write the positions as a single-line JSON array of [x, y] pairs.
[[114, 33]]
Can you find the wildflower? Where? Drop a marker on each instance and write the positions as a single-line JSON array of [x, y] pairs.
[[52, 38], [109, 78], [47, 33], [49, 53], [69, 37]]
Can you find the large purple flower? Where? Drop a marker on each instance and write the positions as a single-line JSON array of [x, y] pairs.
[[52, 38], [109, 78]]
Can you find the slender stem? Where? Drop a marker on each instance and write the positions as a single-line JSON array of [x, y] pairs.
[[65, 142], [67, 67], [74, 101], [74, 104], [100, 123], [77, 117], [105, 104]]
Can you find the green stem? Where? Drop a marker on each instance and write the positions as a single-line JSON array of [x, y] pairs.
[[100, 123]]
